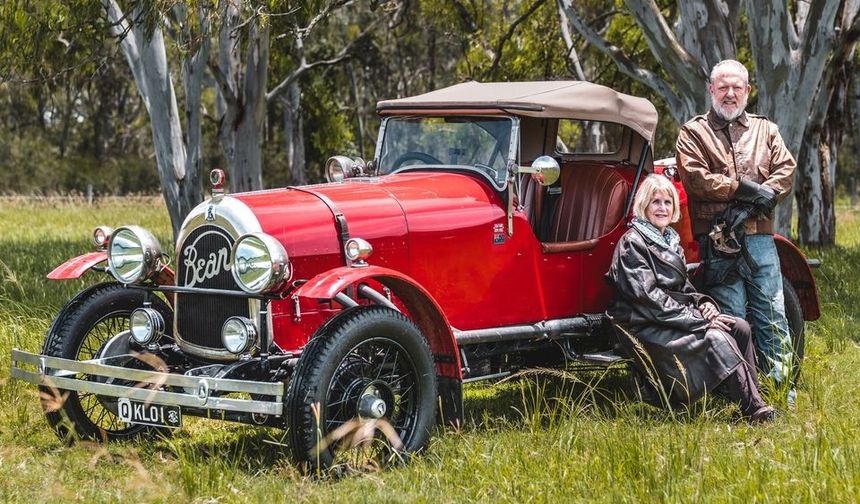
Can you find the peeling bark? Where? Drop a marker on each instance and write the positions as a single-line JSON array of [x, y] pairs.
[[242, 78], [147, 59], [795, 60], [707, 30]]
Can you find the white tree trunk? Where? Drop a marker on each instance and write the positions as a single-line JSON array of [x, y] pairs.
[[248, 136], [193, 72], [242, 86], [147, 59], [791, 55], [789, 70], [707, 30]]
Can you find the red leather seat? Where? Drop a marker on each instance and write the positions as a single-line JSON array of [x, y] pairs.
[[530, 197], [590, 205]]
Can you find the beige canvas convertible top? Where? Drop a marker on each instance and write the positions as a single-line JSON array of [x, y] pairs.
[[552, 99]]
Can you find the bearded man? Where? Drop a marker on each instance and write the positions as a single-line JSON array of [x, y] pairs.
[[727, 158]]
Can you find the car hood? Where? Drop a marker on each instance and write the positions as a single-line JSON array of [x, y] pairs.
[[377, 209]]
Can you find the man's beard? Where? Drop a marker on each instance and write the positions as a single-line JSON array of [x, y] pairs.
[[727, 115]]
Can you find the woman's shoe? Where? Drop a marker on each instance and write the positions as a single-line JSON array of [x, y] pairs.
[[764, 414]]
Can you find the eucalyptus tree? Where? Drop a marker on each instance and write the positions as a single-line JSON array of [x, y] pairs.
[[69, 109], [796, 48], [144, 48], [240, 67], [317, 36]]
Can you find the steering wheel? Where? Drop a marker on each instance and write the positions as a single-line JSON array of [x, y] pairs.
[[418, 156]]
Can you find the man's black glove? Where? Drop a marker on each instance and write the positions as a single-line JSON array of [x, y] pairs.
[[762, 197]]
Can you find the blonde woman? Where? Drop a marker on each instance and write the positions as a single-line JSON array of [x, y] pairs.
[[692, 347]]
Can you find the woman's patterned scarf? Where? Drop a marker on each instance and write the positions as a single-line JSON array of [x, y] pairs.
[[668, 239]]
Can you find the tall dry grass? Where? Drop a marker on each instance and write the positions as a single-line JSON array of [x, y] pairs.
[[544, 436]]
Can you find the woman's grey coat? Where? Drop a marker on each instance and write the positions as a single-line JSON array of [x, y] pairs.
[[658, 306]]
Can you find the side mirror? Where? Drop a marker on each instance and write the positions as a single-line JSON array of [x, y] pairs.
[[545, 170]]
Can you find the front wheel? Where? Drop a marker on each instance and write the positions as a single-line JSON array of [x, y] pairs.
[[80, 332], [367, 364]]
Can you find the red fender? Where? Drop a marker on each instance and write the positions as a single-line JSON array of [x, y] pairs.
[[77, 266], [794, 267], [424, 310]]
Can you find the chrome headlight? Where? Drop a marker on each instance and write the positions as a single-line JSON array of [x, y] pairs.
[[146, 325], [259, 263], [239, 335], [338, 168], [134, 254]]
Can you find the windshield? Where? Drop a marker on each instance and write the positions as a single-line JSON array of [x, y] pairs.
[[481, 144]]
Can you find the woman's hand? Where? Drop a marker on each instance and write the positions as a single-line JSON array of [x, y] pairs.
[[709, 310], [722, 321]]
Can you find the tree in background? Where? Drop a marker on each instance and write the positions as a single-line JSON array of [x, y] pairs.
[[68, 104], [222, 45], [144, 48], [269, 90], [798, 56]]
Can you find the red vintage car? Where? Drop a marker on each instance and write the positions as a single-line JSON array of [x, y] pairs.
[[474, 244]]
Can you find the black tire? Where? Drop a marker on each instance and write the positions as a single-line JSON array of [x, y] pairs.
[[796, 327], [79, 332], [364, 352]]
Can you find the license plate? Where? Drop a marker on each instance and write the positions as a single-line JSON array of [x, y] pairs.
[[138, 412]]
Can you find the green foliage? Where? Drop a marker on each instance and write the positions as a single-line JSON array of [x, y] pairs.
[[329, 120], [30, 168], [71, 115], [544, 436], [530, 52]]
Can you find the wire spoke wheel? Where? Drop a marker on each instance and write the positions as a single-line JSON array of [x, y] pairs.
[[375, 381], [95, 407], [80, 332], [363, 393]]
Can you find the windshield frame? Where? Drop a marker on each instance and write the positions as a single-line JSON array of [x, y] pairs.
[[498, 177]]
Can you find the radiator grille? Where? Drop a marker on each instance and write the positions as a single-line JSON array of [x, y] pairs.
[[204, 262]]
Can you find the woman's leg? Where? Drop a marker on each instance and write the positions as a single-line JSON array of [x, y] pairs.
[[742, 385], [742, 334]]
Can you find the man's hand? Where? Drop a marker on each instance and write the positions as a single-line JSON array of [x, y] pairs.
[[709, 310], [723, 321], [762, 197]]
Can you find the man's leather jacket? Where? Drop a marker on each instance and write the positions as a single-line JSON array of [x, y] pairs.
[[713, 155]]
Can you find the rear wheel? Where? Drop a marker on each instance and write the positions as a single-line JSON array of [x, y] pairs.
[[794, 315], [80, 332], [368, 375]]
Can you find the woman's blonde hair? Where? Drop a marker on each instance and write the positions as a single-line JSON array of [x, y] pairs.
[[651, 185]]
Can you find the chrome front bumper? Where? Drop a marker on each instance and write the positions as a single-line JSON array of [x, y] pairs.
[[197, 392]]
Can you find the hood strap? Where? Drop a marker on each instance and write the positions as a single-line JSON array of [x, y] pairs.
[[339, 218]]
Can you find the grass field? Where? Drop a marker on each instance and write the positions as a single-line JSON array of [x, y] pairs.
[[539, 438]]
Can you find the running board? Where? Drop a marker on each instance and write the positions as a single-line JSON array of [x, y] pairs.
[[606, 358]]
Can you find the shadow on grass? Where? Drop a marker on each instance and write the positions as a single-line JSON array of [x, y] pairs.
[[215, 461], [545, 398], [246, 450]]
